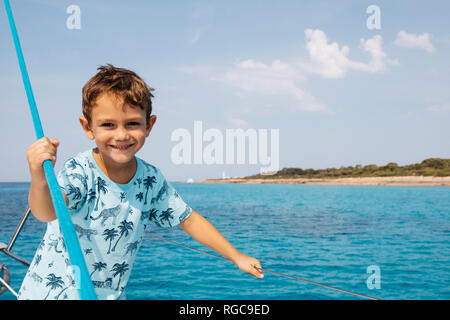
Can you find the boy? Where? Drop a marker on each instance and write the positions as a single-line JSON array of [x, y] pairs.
[[111, 195]]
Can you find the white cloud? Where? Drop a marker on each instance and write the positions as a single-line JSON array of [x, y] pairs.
[[330, 61], [277, 78], [439, 108], [282, 79], [412, 40], [379, 61]]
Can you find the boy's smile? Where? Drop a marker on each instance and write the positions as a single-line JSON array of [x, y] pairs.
[[119, 131]]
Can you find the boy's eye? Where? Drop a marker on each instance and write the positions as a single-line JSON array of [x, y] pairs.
[[110, 125]]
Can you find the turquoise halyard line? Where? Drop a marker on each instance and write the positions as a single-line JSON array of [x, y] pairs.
[[86, 288]]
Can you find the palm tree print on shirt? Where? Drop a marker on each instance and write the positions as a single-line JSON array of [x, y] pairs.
[[75, 194], [71, 284], [140, 196], [119, 269], [72, 164], [152, 215], [98, 266], [90, 199], [148, 183], [163, 191], [167, 215], [123, 196], [101, 187], [124, 228], [38, 259], [79, 177], [148, 216], [53, 282], [65, 295], [110, 234]]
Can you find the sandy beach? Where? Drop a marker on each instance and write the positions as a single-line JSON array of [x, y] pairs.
[[364, 181]]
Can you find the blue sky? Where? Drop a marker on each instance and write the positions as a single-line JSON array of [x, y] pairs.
[[339, 93]]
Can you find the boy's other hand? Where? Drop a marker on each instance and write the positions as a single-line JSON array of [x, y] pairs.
[[41, 150], [249, 265]]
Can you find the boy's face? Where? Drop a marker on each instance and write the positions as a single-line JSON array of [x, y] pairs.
[[119, 130]]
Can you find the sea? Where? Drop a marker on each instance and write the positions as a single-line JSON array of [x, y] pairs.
[[388, 242]]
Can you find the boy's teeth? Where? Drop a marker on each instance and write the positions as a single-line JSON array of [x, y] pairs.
[[122, 147]]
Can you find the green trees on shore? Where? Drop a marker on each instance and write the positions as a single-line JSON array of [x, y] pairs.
[[429, 167]]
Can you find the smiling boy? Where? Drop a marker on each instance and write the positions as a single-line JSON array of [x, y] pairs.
[[111, 195]]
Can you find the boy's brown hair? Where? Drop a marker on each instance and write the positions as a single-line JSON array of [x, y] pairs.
[[121, 82]]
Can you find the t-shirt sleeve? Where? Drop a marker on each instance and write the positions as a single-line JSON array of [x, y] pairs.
[[73, 182], [170, 208]]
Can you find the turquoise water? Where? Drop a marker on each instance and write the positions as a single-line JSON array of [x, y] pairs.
[[326, 234]]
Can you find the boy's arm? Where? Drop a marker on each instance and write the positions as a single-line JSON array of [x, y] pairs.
[[39, 198], [204, 232]]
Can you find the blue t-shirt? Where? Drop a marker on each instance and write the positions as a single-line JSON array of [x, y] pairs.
[[110, 220]]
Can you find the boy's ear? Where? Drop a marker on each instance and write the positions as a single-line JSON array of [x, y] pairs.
[[87, 129], [150, 124]]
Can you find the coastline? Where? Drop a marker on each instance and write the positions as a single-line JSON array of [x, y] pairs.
[[361, 181]]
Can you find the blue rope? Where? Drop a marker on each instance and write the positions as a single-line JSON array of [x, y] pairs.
[[76, 257]]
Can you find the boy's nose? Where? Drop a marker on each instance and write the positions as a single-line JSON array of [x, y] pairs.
[[122, 134]]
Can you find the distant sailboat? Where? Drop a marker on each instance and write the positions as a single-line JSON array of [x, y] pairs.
[[190, 180]]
